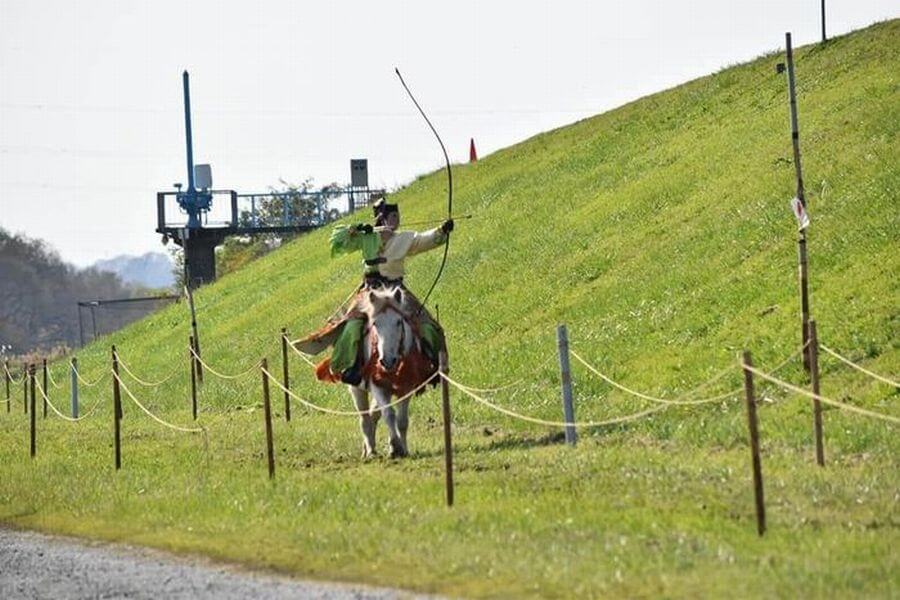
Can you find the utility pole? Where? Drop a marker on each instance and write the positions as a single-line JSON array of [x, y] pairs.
[[801, 196], [824, 38]]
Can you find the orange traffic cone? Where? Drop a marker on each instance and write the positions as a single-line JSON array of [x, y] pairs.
[[473, 156]]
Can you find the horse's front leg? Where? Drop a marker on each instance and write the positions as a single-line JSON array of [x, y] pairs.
[[403, 420], [383, 399], [366, 421]]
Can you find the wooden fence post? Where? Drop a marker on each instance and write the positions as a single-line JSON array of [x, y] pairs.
[[44, 385], [6, 378], [753, 425], [31, 373], [448, 439], [287, 381], [25, 369], [562, 342], [74, 374], [117, 411], [817, 406], [267, 413], [190, 294], [192, 361]]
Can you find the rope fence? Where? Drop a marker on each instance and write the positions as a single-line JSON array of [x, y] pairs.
[[219, 374], [515, 415], [51, 380], [12, 379], [150, 414], [303, 356], [143, 382], [346, 413], [57, 411], [820, 398], [88, 383], [852, 364]]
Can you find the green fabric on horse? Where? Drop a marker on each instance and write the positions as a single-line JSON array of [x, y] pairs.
[[346, 346]]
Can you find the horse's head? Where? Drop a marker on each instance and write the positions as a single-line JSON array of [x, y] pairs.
[[390, 325]]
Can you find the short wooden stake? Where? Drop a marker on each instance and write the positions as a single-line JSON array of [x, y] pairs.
[[817, 405], [44, 385], [117, 411], [287, 381], [267, 413], [190, 294], [562, 342], [74, 374], [753, 425], [31, 372], [192, 361], [6, 379], [25, 387], [448, 439]]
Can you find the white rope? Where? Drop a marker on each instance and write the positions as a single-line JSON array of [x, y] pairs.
[[346, 413], [302, 355], [58, 413], [835, 403], [515, 415], [141, 381], [508, 385], [662, 401], [86, 383], [151, 415], [857, 367], [12, 379], [222, 375], [50, 379]]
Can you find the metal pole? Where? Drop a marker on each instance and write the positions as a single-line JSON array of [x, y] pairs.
[[801, 242], [193, 363], [753, 425], [94, 322], [80, 327], [33, 448], [74, 373], [824, 37], [448, 440], [287, 381], [267, 414], [117, 411], [562, 342], [187, 130], [817, 406]]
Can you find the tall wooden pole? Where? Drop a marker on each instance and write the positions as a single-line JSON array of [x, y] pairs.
[[753, 425], [817, 405], [190, 296], [192, 361], [117, 411], [284, 368], [448, 439], [267, 414], [801, 195]]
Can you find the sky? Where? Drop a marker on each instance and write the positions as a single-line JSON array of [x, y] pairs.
[[91, 121]]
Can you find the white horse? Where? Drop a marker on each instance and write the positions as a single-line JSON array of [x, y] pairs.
[[390, 341]]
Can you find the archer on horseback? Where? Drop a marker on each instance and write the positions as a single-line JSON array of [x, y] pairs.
[[384, 249]]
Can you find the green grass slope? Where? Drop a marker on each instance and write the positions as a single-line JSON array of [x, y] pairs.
[[660, 233]]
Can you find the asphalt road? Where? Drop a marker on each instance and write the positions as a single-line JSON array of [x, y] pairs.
[[34, 565]]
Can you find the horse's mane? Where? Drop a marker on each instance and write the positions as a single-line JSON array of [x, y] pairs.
[[375, 301]]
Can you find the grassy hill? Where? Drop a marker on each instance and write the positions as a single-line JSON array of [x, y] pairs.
[[660, 233]]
